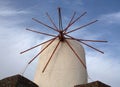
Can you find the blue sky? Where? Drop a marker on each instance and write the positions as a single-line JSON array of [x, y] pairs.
[[15, 17]]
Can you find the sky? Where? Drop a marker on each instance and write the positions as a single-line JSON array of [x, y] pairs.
[[16, 16]]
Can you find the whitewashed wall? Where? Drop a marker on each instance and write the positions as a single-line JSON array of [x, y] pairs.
[[64, 69]]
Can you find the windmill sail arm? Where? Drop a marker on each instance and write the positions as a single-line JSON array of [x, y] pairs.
[[69, 24], [104, 41], [44, 24], [82, 26], [78, 17], [84, 40], [52, 21], [40, 32], [60, 19], [51, 57], [35, 46], [92, 47], [41, 51], [75, 20], [75, 53], [72, 38]]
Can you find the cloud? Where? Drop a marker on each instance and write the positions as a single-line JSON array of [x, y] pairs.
[[7, 10], [11, 12], [104, 68], [14, 39], [12, 42], [112, 18]]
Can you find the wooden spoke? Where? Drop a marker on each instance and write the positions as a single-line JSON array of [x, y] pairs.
[[51, 21], [41, 51], [36, 46], [60, 19], [62, 36], [86, 44], [92, 47], [44, 24], [72, 18], [41, 32], [51, 56], [70, 22], [82, 26], [75, 20], [75, 54], [104, 41], [78, 17], [93, 40]]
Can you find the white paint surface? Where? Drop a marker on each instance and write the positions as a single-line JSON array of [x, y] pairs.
[[64, 69]]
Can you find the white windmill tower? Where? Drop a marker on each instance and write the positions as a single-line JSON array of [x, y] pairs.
[[62, 58]]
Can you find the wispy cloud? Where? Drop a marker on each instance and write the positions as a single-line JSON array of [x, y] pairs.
[[13, 40], [7, 10], [11, 12], [111, 18]]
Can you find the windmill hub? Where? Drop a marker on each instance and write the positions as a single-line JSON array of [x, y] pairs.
[[61, 35]]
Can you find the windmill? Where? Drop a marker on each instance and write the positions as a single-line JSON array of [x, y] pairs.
[[62, 58]]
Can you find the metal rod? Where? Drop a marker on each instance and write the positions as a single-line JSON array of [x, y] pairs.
[[51, 56], [41, 32], [51, 21], [76, 54], [82, 26], [35, 46], [44, 24], [41, 51], [70, 22]]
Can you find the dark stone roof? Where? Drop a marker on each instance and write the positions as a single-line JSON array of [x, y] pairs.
[[20, 81], [93, 84], [16, 81]]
